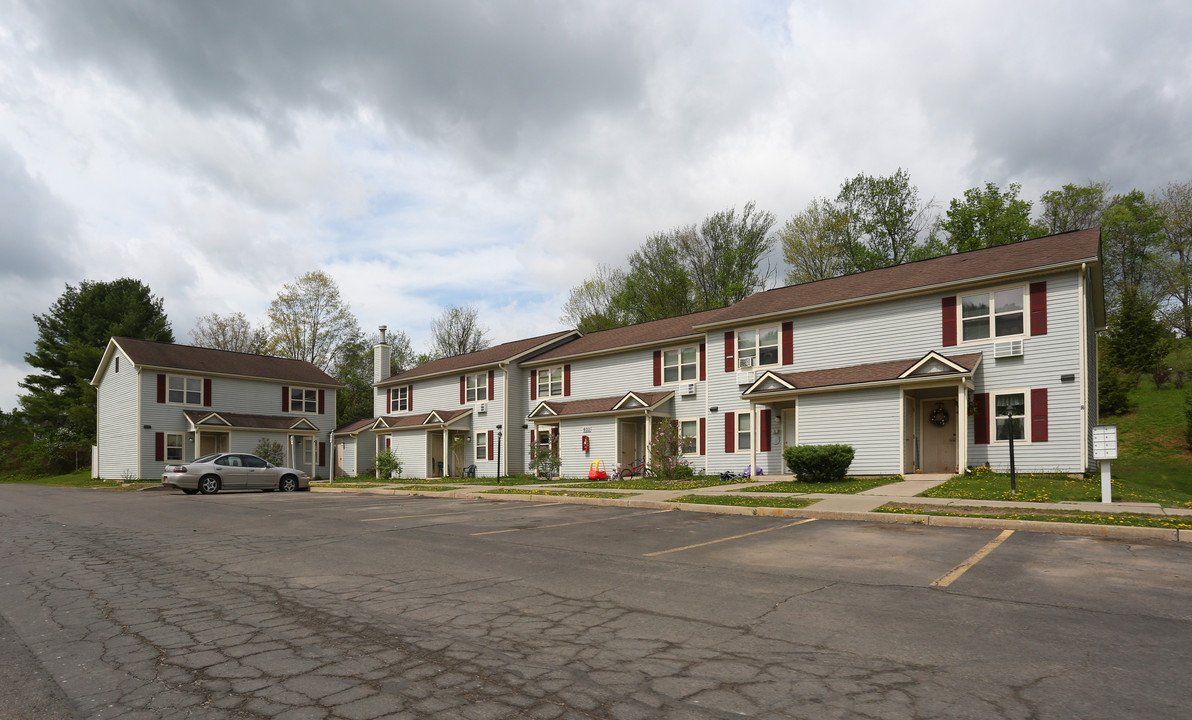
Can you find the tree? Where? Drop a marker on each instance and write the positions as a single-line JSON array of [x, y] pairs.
[[813, 243], [657, 285], [354, 369], [594, 304], [1136, 340], [1074, 207], [988, 217], [457, 331], [1132, 236], [723, 257], [72, 336], [229, 332], [884, 220], [308, 320], [1175, 263]]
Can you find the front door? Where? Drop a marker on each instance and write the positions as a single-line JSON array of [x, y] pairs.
[[910, 436], [938, 423], [435, 441], [212, 442], [788, 428], [629, 450]]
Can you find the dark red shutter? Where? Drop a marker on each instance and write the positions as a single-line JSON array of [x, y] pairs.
[[729, 343], [788, 343], [763, 444], [388, 442], [703, 361], [703, 436], [730, 432], [206, 392], [463, 398], [492, 384], [285, 398], [1038, 410], [1039, 311], [566, 380], [161, 388], [533, 384], [981, 419], [490, 444], [322, 453], [948, 305], [159, 446], [657, 367], [410, 397], [321, 405], [388, 400]]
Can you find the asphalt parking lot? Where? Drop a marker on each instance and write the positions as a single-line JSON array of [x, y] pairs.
[[160, 605]]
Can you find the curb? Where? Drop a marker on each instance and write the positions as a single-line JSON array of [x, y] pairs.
[[1111, 532]]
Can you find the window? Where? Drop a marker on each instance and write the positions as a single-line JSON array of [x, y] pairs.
[[1001, 309], [481, 446], [304, 400], [742, 431], [757, 348], [174, 447], [184, 390], [308, 451], [1006, 403], [550, 382], [680, 364], [477, 388], [689, 437], [117, 364], [401, 399]]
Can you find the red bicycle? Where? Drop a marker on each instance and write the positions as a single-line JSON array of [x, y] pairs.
[[637, 468]]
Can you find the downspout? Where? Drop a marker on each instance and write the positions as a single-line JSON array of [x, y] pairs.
[[752, 438], [504, 417], [331, 457], [1084, 361]]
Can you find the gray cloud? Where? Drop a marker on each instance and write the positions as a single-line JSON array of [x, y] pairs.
[[36, 229]]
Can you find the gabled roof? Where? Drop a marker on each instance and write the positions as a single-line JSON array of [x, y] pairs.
[[632, 401], [187, 358], [505, 352], [930, 365], [655, 332], [434, 418], [209, 418], [1040, 254], [355, 427]]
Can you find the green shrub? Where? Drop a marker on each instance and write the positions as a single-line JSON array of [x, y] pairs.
[[819, 463], [1113, 390], [388, 466], [270, 451]]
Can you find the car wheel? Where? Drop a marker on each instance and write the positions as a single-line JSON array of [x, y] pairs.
[[288, 484], [209, 485], [189, 492]]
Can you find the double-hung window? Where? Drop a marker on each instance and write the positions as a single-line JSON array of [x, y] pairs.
[[401, 399], [476, 388], [743, 435], [304, 400], [689, 437], [550, 382], [758, 347], [174, 447], [1001, 312], [184, 390], [481, 446], [308, 451], [680, 364], [1009, 415]]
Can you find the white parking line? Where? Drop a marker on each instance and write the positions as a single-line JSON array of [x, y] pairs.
[[734, 537], [459, 512], [577, 522]]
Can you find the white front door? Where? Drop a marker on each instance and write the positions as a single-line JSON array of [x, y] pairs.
[[910, 433]]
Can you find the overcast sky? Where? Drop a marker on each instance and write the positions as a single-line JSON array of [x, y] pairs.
[[437, 153]]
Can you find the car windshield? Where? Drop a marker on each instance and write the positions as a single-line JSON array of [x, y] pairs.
[[206, 458]]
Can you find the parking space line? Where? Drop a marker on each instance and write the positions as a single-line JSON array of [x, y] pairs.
[[577, 522], [460, 512], [952, 575], [734, 537]]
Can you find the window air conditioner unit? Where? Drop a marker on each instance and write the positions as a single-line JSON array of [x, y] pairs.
[[745, 377], [745, 362], [1010, 348], [688, 389], [482, 407]]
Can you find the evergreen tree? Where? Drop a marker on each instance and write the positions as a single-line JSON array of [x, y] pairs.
[[1137, 341]]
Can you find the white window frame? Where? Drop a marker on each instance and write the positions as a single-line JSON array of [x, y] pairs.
[[482, 445], [550, 378], [186, 392], [755, 351], [308, 451], [744, 432], [476, 386], [401, 399], [1026, 417], [678, 365], [309, 401], [180, 447], [695, 437], [992, 314]]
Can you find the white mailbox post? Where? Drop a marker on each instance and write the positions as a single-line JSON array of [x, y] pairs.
[[1105, 449]]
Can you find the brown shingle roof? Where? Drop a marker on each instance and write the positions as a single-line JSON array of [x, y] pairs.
[[605, 404], [352, 427], [647, 333], [222, 362], [245, 420], [420, 419], [1051, 251], [489, 356], [870, 372]]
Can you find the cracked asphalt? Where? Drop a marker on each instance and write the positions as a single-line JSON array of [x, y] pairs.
[[160, 605]]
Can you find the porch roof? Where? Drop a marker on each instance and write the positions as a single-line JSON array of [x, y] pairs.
[[931, 365], [434, 418], [353, 428], [201, 419], [631, 401]]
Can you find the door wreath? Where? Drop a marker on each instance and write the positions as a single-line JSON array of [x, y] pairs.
[[939, 416]]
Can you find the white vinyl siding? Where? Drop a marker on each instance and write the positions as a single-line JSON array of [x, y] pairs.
[[868, 420], [117, 424], [601, 444]]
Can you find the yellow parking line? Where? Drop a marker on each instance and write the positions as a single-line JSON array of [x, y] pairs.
[[734, 537], [962, 568], [460, 512], [577, 522]]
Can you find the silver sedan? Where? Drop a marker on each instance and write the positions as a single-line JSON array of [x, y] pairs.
[[233, 471]]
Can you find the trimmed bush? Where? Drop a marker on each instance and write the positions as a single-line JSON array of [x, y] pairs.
[[388, 466], [819, 463]]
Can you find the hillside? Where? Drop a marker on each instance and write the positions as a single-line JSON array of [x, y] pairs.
[[1151, 439]]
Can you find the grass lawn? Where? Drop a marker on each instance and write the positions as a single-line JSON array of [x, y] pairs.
[[744, 501], [1152, 458], [79, 479], [649, 483], [847, 486], [508, 480], [982, 484], [559, 493], [429, 488], [1048, 515]]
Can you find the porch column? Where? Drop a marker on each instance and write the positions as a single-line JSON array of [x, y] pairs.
[[446, 453], [198, 443], [752, 438], [314, 455], [961, 428], [649, 435]]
